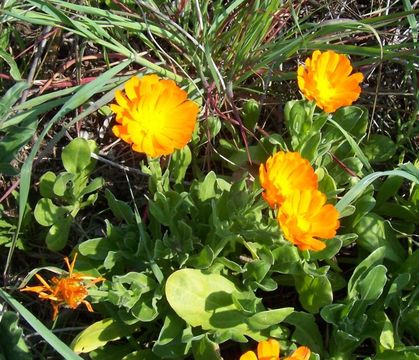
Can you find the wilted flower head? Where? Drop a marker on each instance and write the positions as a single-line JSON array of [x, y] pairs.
[[325, 78], [154, 115], [283, 173], [305, 218], [68, 290], [269, 350]]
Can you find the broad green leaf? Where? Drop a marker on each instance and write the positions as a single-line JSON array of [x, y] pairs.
[[179, 164], [206, 349], [94, 185], [172, 327], [204, 300], [119, 208], [206, 189], [99, 334], [250, 113], [379, 148], [332, 248], [373, 233], [388, 189], [362, 269], [46, 184], [169, 343], [47, 213], [61, 181], [12, 345], [96, 249], [314, 292], [287, 259], [305, 331], [309, 149], [76, 156], [265, 319], [372, 285], [141, 355], [58, 234], [111, 352]]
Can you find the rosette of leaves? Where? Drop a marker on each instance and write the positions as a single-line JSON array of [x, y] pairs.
[[65, 194], [187, 277]]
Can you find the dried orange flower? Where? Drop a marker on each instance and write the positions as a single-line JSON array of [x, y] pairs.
[[283, 173], [154, 115], [304, 218], [326, 79], [68, 291], [269, 350]]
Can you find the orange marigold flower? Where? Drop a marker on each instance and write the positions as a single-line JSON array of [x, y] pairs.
[[269, 350], [326, 79], [68, 291], [283, 173], [154, 115], [304, 218]]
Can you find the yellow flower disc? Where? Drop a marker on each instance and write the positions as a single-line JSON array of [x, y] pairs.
[[283, 173], [154, 115], [325, 78], [304, 219]]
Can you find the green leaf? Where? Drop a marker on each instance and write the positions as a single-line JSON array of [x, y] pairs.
[[99, 334], [14, 69], [46, 184], [169, 343], [358, 189], [12, 345], [372, 285], [10, 98], [60, 185], [179, 164], [206, 349], [332, 248], [16, 137], [96, 249], [250, 113], [111, 352], [94, 185], [355, 147], [47, 213], [206, 189], [375, 258], [314, 292], [58, 234], [287, 260], [265, 319], [379, 148], [119, 208], [352, 119], [309, 149], [76, 156], [373, 233], [306, 331], [204, 300]]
